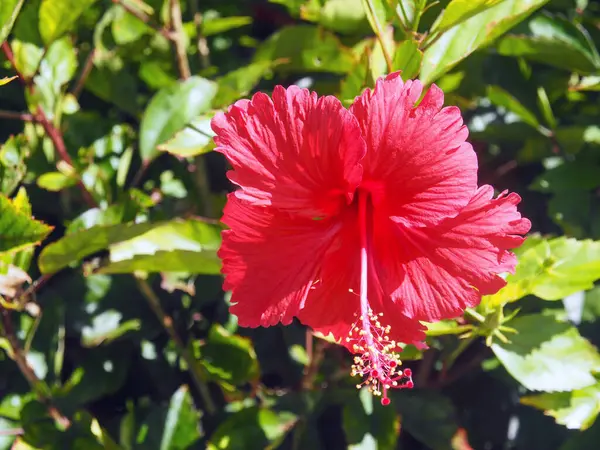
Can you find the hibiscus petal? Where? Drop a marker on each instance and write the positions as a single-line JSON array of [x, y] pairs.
[[418, 166], [270, 261], [435, 273], [297, 152], [333, 304]]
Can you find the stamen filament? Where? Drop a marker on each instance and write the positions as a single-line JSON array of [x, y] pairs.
[[378, 362]]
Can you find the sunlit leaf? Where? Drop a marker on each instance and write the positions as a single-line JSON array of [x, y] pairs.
[[552, 269], [17, 229], [176, 246], [575, 410], [193, 140], [228, 358], [368, 424], [58, 17], [500, 97], [306, 47], [408, 59], [9, 9], [170, 110], [463, 39], [554, 41], [458, 11], [548, 355]]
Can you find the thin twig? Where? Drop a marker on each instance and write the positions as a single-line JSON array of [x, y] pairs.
[[25, 117], [182, 348], [51, 131], [145, 18], [201, 42], [85, 72], [423, 372], [200, 179], [59, 144], [312, 370], [179, 39], [460, 371], [38, 386], [11, 59]]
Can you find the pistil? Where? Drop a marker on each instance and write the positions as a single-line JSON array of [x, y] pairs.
[[376, 357]]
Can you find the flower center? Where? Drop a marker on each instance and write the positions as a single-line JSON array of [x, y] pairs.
[[376, 360]]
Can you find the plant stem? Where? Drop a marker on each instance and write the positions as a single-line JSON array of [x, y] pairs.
[[418, 14], [183, 349], [59, 144], [145, 18], [378, 30], [52, 131], [85, 72], [179, 39], [18, 355], [24, 117], [201, 43]]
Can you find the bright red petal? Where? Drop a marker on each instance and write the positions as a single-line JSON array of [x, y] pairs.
[[297, 153], [270, 261], [333, 301], [333, 305], [435, 273], [418, 166]]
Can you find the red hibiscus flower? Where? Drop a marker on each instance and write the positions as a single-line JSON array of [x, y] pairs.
[[362, 222]]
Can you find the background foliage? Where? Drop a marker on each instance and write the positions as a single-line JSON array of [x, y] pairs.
[[114, 329]]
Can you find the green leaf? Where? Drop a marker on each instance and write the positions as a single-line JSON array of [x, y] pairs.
[[587, 439], [58, 17], [105, 327], [500, 97], [554, 41], [405, 11], [261, 426], [181, 427], [17, 229], [408, 59], [9, 10], [548, 355], [358, 79], [444, 327], [544, 105], [101, 372], [12, 166], [55, 181], [306, 48], [569, 176], [228, 358], [170, 110], [551, 269], [6, 80], [428, 416], [461, 40], [368, 424], [176, 426], [127, 28], [80, 244], [458, 11], [576, 410], [115, 85], [175, 246], [193, 140], [219, 25], [238, 83], [56, 69], [344, 16]]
